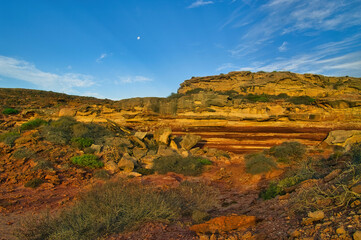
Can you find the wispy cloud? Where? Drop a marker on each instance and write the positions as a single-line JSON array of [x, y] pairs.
[[200, 3], [279, 17], [23, 70], [328, 59], [283, 47], [102, 56], [133, 79]]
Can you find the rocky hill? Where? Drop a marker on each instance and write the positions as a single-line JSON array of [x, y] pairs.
[[239, 111]]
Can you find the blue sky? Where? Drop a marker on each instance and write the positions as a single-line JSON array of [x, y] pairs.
[[120, 49]]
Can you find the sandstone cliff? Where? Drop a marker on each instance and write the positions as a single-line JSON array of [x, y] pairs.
[[239, 111]]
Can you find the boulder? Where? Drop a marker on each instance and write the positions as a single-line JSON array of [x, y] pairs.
[[189, 141], [164, 150], [111, 166], [313, 217], [357, 235], [140, 135], [148, 160], [96, 148], [127, 163], [162, 135], [332, 175], [173, 145], [344, 138], [356, 188], [138, 153], [67, 112], [224, 224]]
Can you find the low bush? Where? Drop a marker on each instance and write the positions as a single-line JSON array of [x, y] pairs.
[[32, 124], [259, 163], [23, 153], [9, 138], [43, 164], [306, 100], [34, 183], [10, 111], [288, 151], [59, 131], [115, 207], [293, 177], [87, 160], [63, 130], [355, 153], [189, 166], [81, 142]]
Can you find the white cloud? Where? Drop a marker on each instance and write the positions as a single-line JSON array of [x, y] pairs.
[[283, 47], [200, 3], [133, 79], [279, 17], [102, 56], [22, 70], [329, 59]]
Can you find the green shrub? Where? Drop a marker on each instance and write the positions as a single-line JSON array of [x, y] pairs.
[[23, 153], [114, 207], [355, 153], [205, 161], [306, 100], [34, 183], [10, 111], [259, 163], [81, 142], [43, 165], [32, 124], [288, 151], [59, 131], [9, 138], [282, 96], [272, 191], [189, 166], [293, 178], [87, 160]]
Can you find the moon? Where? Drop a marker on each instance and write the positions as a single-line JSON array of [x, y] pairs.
[[138, 38]]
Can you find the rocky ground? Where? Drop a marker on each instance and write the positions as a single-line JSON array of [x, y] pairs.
[[312, 194]]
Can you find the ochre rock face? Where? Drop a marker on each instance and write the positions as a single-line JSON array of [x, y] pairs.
[[274, 83]]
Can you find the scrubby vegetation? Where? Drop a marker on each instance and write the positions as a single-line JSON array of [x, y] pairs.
[[335, 191], [66, 130], [34, 183], [118, 206], [87, 160], [32, 124], [9, 138], [23, 153], [259, 163], [10, 111], [81, 142], [189, 166], [288, 151]]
